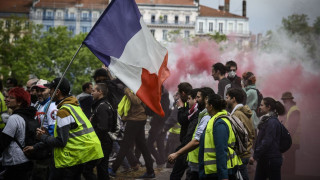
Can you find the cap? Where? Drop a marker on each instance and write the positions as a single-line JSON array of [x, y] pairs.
[[64, 86], [41, 83], [287, 95]]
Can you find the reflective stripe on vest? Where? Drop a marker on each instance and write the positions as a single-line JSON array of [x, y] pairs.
[[83, 144], [193, 156], [210, 163], [175, 129]]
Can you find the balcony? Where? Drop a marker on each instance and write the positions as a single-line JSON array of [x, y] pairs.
[[162, 23]]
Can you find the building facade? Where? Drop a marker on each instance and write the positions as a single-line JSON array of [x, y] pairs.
[[78, 16]]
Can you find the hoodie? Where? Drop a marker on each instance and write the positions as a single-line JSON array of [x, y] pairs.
[[244, 114]]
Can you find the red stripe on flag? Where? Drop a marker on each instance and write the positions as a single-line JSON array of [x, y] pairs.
[[150, 89]]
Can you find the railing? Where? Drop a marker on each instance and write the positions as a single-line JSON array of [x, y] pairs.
[[243, 33], [162, 22]]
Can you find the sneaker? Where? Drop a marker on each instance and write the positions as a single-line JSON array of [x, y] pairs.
[[111, 172], [147, 176]]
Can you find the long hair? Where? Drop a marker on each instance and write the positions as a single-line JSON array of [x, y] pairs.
[[274, 105]]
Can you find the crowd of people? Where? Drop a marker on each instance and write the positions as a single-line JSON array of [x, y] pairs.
[[104, 128]]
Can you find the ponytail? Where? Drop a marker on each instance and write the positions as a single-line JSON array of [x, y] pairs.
[[274, 105]]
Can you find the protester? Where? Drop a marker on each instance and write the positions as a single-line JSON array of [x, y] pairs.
[[103, 120], [173, 127], [292, 123], [11, 83], [72, 130], [269, 159], [249, 86], [17, 165], [217, 159], [192, 146], [232, 74], [181, 164], [132, 111], [219, 74], [47, 120], [33, 93], [85, 99], [155, 132], [243, 112]]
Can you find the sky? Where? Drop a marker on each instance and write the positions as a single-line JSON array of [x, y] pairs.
[[267, 15]]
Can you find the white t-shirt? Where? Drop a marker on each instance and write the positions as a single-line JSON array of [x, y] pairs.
[[51, 114], [13, 154]]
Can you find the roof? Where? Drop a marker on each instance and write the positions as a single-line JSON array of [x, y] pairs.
[[82, 4], [15, 6], [167, 2], [210, 12]]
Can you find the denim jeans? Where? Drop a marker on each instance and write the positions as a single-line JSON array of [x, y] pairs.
[[268, 168]]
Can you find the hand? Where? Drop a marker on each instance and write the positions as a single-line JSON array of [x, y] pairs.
[[28, 149], [251, 161], [172, 157], [40, 132]]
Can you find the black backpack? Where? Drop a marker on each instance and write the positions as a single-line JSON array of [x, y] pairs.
[[285, 139], [260, 97], [30, 140]]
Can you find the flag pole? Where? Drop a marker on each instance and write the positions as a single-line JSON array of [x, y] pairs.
[[54, 93]]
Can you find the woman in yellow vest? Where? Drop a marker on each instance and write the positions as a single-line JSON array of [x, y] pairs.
[[217, 159]]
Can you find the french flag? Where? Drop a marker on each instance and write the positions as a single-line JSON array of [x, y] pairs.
[[123, 42]]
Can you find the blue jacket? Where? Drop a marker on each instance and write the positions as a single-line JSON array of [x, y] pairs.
[[268, 140]]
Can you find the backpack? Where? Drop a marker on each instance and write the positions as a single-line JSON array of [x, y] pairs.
[[44, 152], [240, 133], [260, 97], [285, 139]]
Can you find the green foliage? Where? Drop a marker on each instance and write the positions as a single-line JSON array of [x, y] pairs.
[[316, 26], [218, 37], [296, 24], [45, 55]]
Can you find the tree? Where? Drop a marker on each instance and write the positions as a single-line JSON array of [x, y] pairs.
[[296, 24], [316, 26], [218, 37]]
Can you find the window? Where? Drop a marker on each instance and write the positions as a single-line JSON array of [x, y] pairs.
[[165, 34], [39, 13], [220, 28], [176, 19], [230, 27], [8, 24], [85, 15], [200, 27], [16, 38], [17, 23], [165, 18], [187, 19], [210, 27], [49, 14], [152, 32], [71, 28], [59, 14], [240, 28], [186, 34], [72, 16], [84, 29], [153, 18], [95, 15], [48, 27]]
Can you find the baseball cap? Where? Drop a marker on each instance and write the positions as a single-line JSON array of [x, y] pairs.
[[64, 86], [41, 83]]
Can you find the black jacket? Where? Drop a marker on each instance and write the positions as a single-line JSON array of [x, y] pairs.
[[268, 140], [193, 121], [183, 113], [103, 120]]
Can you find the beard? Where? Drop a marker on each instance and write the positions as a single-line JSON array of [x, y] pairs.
[[229, 105], [34, 98]]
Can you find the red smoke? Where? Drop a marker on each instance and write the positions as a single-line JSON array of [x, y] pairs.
[[276, 73]]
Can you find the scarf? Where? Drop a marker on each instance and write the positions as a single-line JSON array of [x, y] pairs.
[[193, 110]]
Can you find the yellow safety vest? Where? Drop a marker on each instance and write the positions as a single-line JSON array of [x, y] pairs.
[[210, 162], [296, 135], [3, 108], [175, 129], [83, 144], [193, 156]]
